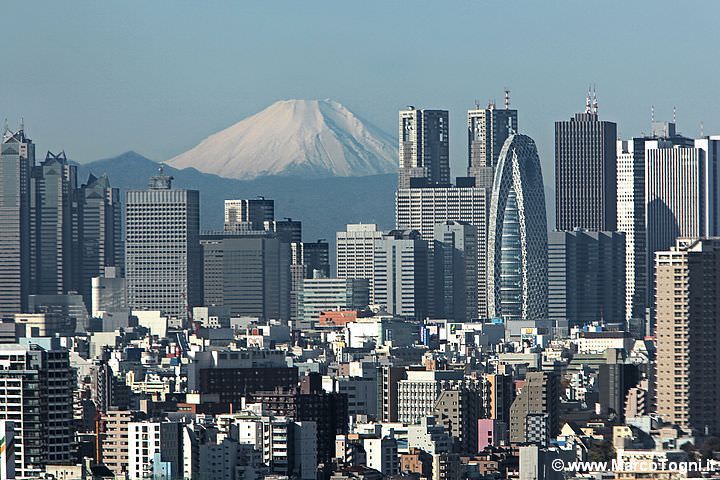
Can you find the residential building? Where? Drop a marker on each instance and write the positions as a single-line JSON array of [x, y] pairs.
[[687, 331], [36, 385], [539, 397]]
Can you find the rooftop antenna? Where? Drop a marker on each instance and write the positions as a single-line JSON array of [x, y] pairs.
[[22, 124], [674, 114], [702, 129], [507, 99], [595, 101], [5, 126], [652, 113], [587, 102], [477, 104]]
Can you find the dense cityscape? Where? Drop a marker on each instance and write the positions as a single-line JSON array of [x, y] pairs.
[[473, 340]]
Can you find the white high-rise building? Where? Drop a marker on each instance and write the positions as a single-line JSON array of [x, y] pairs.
[[356, 252], [681, 194], [322, 294], [163, 259], [401, 271], [631, 210], [422, 209]]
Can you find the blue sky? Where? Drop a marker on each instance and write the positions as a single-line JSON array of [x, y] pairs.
[[97, 78]]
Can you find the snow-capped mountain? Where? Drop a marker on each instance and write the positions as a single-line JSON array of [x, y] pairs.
[[306, 138]]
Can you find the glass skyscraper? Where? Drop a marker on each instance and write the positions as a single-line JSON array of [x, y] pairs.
[[517, 237]]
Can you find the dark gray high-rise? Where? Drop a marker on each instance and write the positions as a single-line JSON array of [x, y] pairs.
[[456, 271], [101, 231], [586, 278], [424, 148], [247, 271], [585, 172], [55, 227], [17, 157]]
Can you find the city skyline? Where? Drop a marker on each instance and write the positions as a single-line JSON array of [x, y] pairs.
[[96, 108]]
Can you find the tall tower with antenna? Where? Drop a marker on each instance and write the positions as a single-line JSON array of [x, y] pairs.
[[488, 128]]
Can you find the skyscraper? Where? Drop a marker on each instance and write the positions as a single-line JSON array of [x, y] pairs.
[[248, 272], [55, 255], [356, 252], [101, 232], [681, 194], [400, 274], [421, 209], [163, 260], [36, 385], [17, 158], [455, 271], [585, 173], [424, 147], [517, 243], [488, 128], [631, 210], [688, 327], [586, 278], [254, 211]]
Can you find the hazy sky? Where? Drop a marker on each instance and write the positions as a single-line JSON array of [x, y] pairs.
[[97, 78]]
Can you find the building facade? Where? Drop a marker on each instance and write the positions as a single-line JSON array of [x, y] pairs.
[[517, 236], [586, 278], [488, 128], [424, 147], [163, 260], [688, 327], [455, 271], [585, 173]]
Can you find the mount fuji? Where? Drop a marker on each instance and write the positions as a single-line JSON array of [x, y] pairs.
[[299, 138]]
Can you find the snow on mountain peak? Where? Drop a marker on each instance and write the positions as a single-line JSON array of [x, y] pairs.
[[307, 138]]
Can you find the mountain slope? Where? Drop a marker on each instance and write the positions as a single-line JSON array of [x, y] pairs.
[[304, 138], [324, 205]]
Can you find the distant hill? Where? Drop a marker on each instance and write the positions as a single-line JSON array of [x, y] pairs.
[[300, 138], [324, 205]]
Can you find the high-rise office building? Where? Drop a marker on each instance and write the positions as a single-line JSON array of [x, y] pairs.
[[688, 327], [163, 259], [681, 195], [585, 173], [517, 237], [55, 219], [17, 158], [488, 128], [455, 271], [586, 278], [356, 253], [424, 147], [36, 385], [631, 211], [248, 272], [255, 211], [101, 232], [400, 274], [421, 209]]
